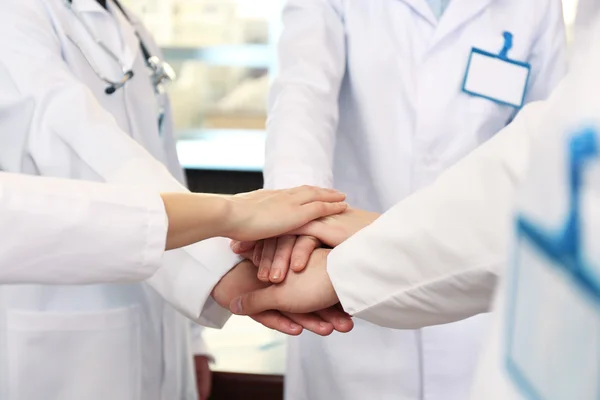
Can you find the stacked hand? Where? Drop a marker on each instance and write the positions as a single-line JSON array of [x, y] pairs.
[[292, 290], [275, 256]]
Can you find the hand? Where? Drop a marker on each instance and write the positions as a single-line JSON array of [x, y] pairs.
[[274, 257], [331, 231], [335, 229], [204, 377], [302, 292], [267, 213], [242, 279]]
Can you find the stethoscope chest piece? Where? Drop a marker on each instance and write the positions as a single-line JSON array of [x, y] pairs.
[[161, 74]]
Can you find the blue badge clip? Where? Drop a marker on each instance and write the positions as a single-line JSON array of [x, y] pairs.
[[508, 42]]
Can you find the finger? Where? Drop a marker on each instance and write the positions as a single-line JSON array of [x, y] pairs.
[[312, 322], [309, 194], [255, 302], [303, 248], [257, 253], [281, 258], [308, 229], [204, 389], [340, 321], [277, 321], [249, 255], [307, 188], [241, 247], [320, 209], [204, 377], [264, 268], [237, 248]]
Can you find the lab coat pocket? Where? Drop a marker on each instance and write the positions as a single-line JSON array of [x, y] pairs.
[[487, 117], [74, 356]]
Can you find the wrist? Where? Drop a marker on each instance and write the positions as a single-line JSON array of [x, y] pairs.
[[330, 286], [372, 216], [239, 279], [223, 220]]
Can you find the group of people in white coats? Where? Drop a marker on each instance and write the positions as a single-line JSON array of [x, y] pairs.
[[83, 97], [375, 122], [436, 257], [371, 98]]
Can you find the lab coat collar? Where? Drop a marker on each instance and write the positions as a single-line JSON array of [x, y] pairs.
[[87, 6], [422, 8], [131, 43], [457, 14], [128, 46]]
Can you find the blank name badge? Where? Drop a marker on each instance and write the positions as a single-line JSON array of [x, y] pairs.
[[495, 77]]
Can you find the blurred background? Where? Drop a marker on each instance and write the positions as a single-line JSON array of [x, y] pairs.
[[225, 56], [223, 53]]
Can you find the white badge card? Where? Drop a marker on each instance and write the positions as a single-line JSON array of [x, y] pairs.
[[553, 347], [553, 315], [495, 77]]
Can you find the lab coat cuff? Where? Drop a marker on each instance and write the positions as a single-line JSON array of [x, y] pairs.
[[156, 235], [344, 283], [189, 275]]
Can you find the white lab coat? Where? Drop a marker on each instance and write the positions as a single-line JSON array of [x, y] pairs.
[[369, 100], [436, 257], [117, 341], [46, 225], [587, 10]]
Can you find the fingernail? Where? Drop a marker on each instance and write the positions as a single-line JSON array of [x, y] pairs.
[[275, 275], [263, 273], [235, 247], [294, 326], [236, 306], [341, 321], [324, 325]]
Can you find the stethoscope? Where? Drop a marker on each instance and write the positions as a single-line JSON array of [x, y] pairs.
[[161, 72]]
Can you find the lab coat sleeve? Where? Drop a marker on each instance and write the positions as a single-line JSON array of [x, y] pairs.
[[303, 103], [47, 225], [62, 113], [588, 11], [548, 56], [434, 257]]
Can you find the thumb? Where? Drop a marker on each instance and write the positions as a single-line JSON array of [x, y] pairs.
[[242, 247], [307, 230], [317, 209], [254, 302]]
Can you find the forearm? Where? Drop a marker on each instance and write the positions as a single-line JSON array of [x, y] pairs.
[[434, 258], [52, 228], [303, 101], [195, 217]]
